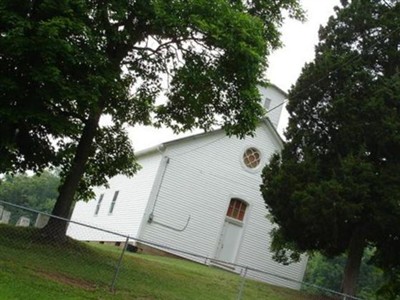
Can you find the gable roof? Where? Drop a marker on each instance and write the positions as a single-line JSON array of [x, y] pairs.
[[160, 148], [278, 88]]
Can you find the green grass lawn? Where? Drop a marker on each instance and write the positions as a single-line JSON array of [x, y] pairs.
[[31, 268]]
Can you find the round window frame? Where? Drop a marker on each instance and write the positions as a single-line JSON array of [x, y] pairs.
[[244, 166]]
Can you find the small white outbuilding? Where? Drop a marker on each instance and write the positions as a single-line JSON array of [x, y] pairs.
[[198, 194]]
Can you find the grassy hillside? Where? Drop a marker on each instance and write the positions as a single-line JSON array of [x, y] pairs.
[[30, 268]]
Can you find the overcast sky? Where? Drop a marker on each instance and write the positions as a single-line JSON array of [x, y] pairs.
[[285, 64]]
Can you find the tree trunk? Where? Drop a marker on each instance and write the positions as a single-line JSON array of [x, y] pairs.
[[56, 228], [353, 263]]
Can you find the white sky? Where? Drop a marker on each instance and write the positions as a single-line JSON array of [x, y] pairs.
[[285, 64]]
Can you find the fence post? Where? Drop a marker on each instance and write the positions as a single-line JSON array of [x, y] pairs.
[[112, 288], [242, 284]]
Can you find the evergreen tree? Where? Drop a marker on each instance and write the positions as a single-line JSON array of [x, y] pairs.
[[327, 272], [335, 187]]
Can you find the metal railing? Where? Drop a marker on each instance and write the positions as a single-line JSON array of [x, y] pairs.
[[26, 217]]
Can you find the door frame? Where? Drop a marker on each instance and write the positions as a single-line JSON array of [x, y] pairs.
[[242, 224]]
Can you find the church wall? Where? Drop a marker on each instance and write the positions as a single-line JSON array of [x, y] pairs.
[[276, 98], [201, 177], [129, 207], [181, 196]]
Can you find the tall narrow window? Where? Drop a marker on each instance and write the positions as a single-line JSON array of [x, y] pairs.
[[236, 209], [267, 103], [113, 202], [96, 212]]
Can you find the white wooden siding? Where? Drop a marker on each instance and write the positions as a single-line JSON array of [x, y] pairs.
[[129, 207], [203, 174], [276, 97], [185, 193]]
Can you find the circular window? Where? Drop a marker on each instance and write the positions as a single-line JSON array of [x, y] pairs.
[[252, 158]]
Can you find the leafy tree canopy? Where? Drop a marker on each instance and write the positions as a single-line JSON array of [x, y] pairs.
[[336, 185], [38, 192], [65, 63], [327, 272]]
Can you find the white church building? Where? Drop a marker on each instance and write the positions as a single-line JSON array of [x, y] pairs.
[[199, 194]]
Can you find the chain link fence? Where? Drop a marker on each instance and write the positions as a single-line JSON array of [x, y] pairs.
[[119, 265]]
